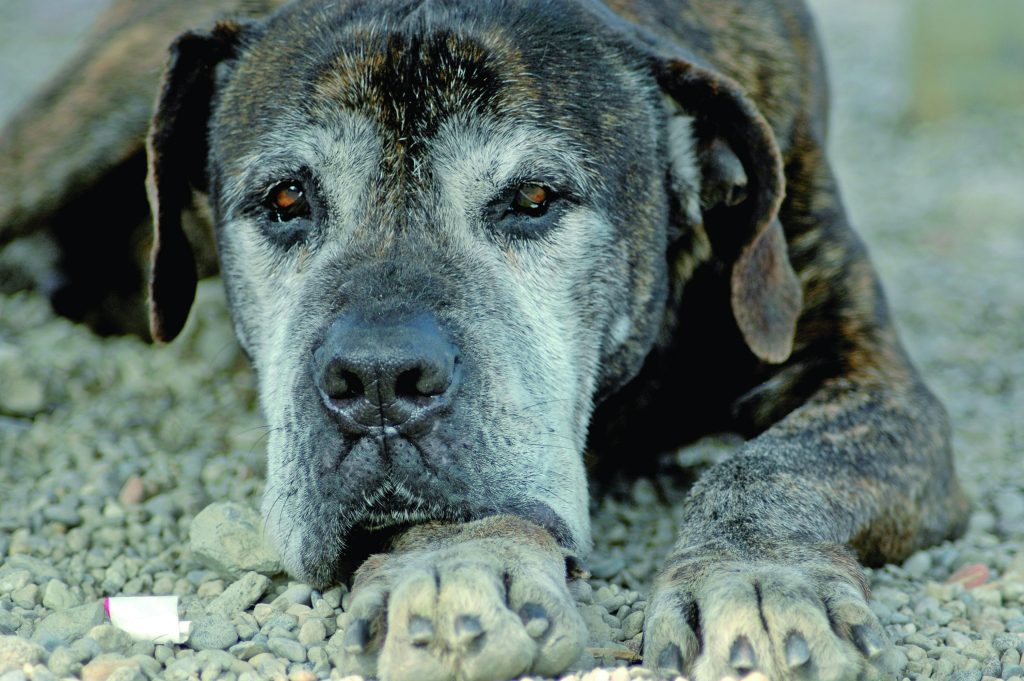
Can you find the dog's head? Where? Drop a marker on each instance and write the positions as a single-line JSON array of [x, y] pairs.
[[443, 230]]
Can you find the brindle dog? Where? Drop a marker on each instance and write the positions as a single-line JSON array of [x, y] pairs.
[[465, 241]]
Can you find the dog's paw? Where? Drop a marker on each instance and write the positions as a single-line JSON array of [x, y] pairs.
[[808, 619], [477, 610]]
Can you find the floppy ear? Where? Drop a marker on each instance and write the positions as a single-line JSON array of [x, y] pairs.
[[741, 189], [177, 150]]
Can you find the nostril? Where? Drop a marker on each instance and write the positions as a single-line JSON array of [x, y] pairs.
[[342, 384], [420, 382]]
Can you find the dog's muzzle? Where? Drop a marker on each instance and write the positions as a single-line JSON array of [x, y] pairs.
[[385, 375]]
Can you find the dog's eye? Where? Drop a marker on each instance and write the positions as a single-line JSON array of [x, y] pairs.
[[287, 201], [531, 199]]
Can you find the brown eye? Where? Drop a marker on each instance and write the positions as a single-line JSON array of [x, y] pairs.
[[531, 199], [287, 201]]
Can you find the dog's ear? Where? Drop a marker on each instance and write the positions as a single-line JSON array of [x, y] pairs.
[[741, 188], [177, 151]]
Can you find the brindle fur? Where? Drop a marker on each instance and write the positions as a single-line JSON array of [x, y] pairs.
[[848, 453]]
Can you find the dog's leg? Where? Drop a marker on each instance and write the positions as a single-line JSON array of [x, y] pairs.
[[764, 575], [480, 601]]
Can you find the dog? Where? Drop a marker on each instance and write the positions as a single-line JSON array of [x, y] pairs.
[[465, 242]]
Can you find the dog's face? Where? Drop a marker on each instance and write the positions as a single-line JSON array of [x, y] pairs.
[[442, 228]]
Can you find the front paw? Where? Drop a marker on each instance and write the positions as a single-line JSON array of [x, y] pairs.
[[800, 617], [482, 609]]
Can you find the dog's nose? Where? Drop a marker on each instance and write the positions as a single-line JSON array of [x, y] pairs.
[[385, 372]]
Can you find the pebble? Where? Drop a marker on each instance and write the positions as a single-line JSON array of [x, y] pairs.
[[918, 565], [57, 596], [287, 648], [16, 652], [12, 580], [212, 632], [295, 594], [68, 625], [312, 631], [227, 537], [105, 666], [240, 595]]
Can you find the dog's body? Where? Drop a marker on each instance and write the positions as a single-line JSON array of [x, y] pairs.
[[449, 231]]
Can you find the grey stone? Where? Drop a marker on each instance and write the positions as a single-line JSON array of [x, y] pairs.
[[68, 625], [26, 597], [14, 579], [240, 595], [57, 596], [110, 639], [333, 596], [212, 632], [312, 632], [227, 537], [287, 648], [918, 565], [40, 569], [296, 593], [246, 650], [966, 675], [16, 652], [607, 568], [633, 624]]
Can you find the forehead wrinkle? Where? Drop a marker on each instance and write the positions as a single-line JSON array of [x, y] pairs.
[[497, 151], [411, 82]]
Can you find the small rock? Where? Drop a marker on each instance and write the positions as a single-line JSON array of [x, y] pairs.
[[110, 639], [333, 596], [212, 632], [607, 568], [633, 624], [227, 537], [104, 667], [57, 596], [979, 650], [312, 632], [287, 648], [966, 675], [22, 396], [68, 625], [295, 594], [16, 652], [918, 565], [246, 650], [240, 595], [26, 597], [12, 580], [132, 491]]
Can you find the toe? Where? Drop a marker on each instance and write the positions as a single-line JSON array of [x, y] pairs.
[[670, 638], [362, 638], [486, 639]]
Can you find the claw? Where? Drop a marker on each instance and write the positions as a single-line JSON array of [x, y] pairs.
[[357, 636], [868, 640], [671, 658], [421, 631], [467, 629], [742, 656], [535, 619], [797, 652]]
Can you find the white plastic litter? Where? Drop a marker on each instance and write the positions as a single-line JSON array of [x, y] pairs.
[[148, 618]]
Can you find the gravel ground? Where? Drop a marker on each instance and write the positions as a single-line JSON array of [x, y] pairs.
[[110, 450]]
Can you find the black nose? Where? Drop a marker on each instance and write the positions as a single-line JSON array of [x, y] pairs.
[[385, 372]]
